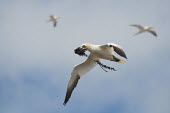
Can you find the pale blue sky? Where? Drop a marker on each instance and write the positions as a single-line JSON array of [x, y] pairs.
[[36, 60]]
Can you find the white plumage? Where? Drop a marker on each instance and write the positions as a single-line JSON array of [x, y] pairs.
[[54, 19], [97, 52], [142, 29]]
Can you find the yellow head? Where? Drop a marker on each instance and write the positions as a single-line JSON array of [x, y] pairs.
[[86, 46]]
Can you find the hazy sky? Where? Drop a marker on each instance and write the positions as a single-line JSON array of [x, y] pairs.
[[36, 60]]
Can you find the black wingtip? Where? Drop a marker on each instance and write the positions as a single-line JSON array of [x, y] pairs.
[[64, 104], [124, 56]]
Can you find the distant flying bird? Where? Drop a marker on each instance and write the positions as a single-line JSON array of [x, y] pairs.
[[97, 52], [54, 19], [142, 29]]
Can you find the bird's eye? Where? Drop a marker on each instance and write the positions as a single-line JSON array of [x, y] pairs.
[[83, 46], [110, 46]]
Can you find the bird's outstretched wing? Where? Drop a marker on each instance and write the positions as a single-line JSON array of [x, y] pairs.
[[137, 26], [52, 17], [78, 71], [118, 49], [72, 84], [152, 32]]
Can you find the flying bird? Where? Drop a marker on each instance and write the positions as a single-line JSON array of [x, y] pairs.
[[142, 29], [97, 52], [54, 19]]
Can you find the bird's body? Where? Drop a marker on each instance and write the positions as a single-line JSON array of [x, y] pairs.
[[142, 29], [53, 19], [97, 52]]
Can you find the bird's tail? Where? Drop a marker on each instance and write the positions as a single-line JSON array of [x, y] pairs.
[[122, 61], [119, 60]]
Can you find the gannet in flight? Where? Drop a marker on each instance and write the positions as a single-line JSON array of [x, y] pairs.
[[144, 29], [97, 52], [54, 19]]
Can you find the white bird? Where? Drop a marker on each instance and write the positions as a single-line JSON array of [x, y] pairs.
[[97, 52], [54, 19], [144, 29]]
